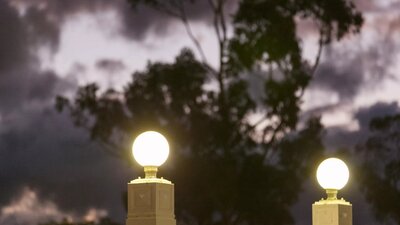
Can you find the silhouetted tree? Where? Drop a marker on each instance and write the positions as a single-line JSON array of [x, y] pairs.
[[237, 155], [379, 171]]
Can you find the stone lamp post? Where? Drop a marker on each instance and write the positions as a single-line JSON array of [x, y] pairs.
[[332, 175], [150, 199]]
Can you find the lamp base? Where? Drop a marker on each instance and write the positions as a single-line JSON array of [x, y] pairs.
[[332, 212], [151, 202]]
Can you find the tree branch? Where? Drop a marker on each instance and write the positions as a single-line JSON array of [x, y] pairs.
[[321, 42], [195, 40], [320, 48], [272, 139], [181, 15], [220, 31]]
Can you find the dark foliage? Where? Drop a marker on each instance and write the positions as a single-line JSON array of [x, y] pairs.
[[235, 159], [380, 169]]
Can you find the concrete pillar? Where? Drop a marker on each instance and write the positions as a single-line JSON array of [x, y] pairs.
[[332, 212], [150, 202]]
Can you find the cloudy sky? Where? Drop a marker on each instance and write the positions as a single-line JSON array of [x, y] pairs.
[[50, 170]]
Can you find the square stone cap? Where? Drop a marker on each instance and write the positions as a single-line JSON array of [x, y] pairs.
[[150, 180], [332, 202]]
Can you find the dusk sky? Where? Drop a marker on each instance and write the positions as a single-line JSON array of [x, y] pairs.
[[50, 169]]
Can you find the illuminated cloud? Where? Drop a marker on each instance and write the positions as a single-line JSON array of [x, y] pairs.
[[29, 209]]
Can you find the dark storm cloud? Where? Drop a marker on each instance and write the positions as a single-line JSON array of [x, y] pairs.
[[364, 63], [110, 65], [138, 22], [349, 71], [13, 44], [43, 29], [48, 15], [46, 153], [26, 85], [340, 137], [20, 79], [366, 114], [346, 80], [40, 148]]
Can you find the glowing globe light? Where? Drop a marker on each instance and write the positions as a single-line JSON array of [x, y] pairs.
[[333, 174], [150, 149]]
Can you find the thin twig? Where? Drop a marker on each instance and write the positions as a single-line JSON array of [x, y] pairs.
[[181, 15], [317, 59], [195, 41], [319, 53], [272, 139], [252, 127]]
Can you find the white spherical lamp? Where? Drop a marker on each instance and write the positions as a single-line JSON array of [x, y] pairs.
[[332, 175], [150, 149]]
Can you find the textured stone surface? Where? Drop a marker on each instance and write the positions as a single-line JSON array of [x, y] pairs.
[[337, 212], [150, 204]]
